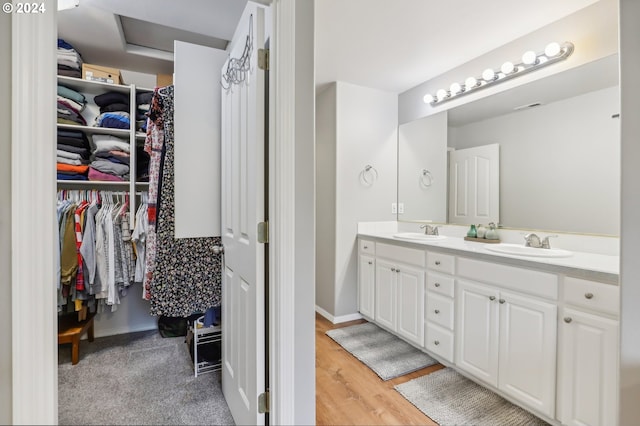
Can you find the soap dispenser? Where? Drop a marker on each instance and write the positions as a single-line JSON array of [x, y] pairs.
[[472, 233], [492, 233], [481, 231]]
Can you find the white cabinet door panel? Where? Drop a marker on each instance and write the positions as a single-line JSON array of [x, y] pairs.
[[477, 331], [528, 351], [385, 312], [366, 285], [410, 303]]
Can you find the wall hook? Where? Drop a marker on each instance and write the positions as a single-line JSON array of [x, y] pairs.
[[426, 178], [369, 175]]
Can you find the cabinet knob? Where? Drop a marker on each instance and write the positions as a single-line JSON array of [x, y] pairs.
[[393, 269], [398, 271], [501, 301], [436, 342], [437, 311], [567, 319], [370, 263], [437, 284], [492, 298], [365, 247], [588, 295], [437, 262]]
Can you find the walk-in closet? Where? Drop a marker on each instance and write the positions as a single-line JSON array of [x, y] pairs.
[[141, 318]]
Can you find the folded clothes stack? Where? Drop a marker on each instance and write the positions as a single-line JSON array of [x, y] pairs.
[[110, 159], [72, 155], [114, 110], [70, 105], [69, 60], [143, 103], [142, 164]]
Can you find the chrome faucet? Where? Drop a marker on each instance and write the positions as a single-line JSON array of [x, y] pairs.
[[429, 230], [532, 240]]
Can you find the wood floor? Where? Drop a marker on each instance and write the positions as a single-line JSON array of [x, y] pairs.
[[349, 393]]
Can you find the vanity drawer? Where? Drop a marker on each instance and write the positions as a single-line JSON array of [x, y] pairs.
[[592, 295], [440, 283], [439, 341], [405, 255], [441, 262], [440, 310], [367, 246]]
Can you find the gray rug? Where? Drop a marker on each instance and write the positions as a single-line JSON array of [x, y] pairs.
[[135, 379], [449, 398], [387, 355]]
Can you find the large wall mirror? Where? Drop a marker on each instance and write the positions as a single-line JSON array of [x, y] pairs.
[[559, 143]]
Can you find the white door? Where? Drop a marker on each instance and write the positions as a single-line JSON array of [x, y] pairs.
[[528, 351], [474, 185], [588, 379], [243, 198], [477, 335], [410, 303], [366, 285], [386, 294]]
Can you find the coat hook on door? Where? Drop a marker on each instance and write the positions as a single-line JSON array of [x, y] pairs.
[[426, 178], [369, 175]]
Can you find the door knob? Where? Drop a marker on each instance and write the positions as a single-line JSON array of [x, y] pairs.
[[218, 249], [567, 319]]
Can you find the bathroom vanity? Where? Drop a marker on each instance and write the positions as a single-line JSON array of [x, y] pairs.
[[540, 331]]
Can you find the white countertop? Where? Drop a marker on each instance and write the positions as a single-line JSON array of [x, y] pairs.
[[578, 261]]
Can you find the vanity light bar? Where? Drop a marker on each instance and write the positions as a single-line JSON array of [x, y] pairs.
[[531, 61]]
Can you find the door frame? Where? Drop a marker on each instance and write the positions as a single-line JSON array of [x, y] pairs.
[[292, 194]]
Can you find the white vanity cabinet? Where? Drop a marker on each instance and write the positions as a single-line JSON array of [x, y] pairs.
[[507, 338], [399, 291], [440, 305], [588, 357], [366, 278]]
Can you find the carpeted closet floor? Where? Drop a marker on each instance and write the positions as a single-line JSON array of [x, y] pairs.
[[137, 379]]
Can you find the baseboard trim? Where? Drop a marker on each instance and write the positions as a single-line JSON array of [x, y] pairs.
[[340, 319]]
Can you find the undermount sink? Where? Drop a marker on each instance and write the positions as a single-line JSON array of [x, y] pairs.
[[520, 250], [419, 236]]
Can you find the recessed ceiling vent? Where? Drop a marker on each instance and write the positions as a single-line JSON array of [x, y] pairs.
[[160, 37], [527, 106]]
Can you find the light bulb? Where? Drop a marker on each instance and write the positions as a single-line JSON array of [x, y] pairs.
[[470, 83], [552, 49], [488, 75], [441, 94], [455, 88], [428, 98], [529, 57], [507, 68]]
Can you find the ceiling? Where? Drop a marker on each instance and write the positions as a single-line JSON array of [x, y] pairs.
[[391, 45]]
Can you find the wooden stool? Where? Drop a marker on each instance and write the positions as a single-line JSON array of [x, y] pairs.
[[70, 330]]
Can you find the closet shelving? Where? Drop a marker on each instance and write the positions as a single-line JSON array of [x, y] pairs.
[[90, 89], [203, 336]]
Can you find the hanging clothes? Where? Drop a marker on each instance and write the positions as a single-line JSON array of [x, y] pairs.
[[187, 276]]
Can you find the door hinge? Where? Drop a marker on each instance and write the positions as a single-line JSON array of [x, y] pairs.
[[263, 59], [263, 232], [263, 402]]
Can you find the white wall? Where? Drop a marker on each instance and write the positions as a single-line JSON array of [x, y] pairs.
[[559, 163], [593, 30], [630, 234], [5, 219], [422, 144], [366, 135], [326, 198]]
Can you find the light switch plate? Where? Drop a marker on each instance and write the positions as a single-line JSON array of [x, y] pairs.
[[401, 208], [394, 208]]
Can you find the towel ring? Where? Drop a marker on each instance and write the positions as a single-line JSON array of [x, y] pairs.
[[369, 175], [426, 178]]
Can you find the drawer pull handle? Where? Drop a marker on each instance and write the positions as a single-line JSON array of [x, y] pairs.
[[437, 284], [589, 295], [436, 342], [437, 311], [501, 301], [437, 262], [567, 319], [492, 298]]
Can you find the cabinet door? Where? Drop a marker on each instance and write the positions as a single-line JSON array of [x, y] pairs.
[[477, 330], [410, 303], [528, 351], [385, 300], [366, 285], [589, 368]]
